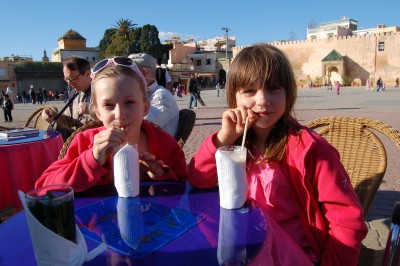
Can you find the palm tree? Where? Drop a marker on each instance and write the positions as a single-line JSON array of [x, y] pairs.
[[124, 27]]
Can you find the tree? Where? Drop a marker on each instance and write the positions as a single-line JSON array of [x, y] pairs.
[[150, 42], [125, 39], [118, 47], [124, 27], [134, 43], [105, 42]]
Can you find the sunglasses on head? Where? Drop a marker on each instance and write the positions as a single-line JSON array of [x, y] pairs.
[[117, 61]]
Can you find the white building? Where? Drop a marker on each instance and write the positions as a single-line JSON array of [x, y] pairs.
[[342, 27], [72, 43]]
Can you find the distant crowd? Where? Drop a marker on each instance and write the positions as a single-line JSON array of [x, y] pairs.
[[39, 96]]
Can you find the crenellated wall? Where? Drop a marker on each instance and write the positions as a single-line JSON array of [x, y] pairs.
[[362, 59]]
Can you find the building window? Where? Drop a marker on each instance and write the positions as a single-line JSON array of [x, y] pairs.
[[208, 61], [2, 72], [198, 63], [330, 35], [94, 59], [381, 46]]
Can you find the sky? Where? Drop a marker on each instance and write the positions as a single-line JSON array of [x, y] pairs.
[[30, 27]]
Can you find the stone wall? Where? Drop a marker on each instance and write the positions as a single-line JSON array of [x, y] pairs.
[[362, 59]]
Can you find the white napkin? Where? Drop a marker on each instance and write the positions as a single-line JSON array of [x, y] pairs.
[[232, 180], [52, 249], [128, 212], [232, 235], [126, 171]]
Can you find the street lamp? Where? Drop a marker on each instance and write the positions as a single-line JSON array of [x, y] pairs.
[[226, 29]]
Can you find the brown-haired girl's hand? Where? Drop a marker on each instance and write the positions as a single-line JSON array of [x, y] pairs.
[[106, 141], [233, 122], [154, 167]]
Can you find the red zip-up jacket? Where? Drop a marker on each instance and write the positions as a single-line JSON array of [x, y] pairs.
[[81, 170]]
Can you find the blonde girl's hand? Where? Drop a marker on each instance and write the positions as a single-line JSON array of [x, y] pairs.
[[233, 123], [106, 141], [153, 167]]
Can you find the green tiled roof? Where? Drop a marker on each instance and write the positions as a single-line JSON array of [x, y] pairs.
[[333, 56], [71, 34]]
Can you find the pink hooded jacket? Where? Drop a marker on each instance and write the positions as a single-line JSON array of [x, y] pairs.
[[330, 212]]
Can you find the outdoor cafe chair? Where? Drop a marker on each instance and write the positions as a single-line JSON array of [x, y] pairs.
[[67, 143], [35, 120], [361, 151], [187, 119]]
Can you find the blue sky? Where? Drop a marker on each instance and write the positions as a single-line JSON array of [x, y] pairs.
[[30, 27]]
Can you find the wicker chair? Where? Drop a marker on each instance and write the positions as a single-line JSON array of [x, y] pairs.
[[91, 124], [361, 151], [187, 119], [35, 120]]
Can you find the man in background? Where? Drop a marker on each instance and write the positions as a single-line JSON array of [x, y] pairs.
[[164, 110], [77, 75], [162, 76]]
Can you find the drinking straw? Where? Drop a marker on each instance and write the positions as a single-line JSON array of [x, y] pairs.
[[245, 131]]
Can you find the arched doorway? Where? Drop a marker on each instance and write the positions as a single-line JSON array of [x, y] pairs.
[[333, 67], [222, 76], [333, 75]]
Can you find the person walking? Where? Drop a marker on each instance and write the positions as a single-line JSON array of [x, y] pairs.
[[193, 90], [45, 95], [219, 88], [7, 106], [367, 85], [11, 95], [32, 93], [24, 97], [179, 91], [379, 84], [39, 96], [337, 87]]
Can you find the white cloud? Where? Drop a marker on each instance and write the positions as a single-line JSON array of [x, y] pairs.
[[166, 35]]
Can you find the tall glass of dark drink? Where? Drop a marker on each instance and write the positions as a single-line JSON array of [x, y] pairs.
[[53, 206]]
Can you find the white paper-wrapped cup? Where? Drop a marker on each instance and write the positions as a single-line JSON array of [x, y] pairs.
[[126, 171], [130, 223], [232, 180]]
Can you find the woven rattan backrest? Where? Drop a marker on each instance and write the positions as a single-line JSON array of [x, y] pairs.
[[91, 124], [35, 120], [361, 151], [187, 119]]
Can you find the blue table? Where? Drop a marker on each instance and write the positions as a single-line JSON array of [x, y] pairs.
[[219, 235]]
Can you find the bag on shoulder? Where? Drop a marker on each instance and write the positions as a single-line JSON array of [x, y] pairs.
[[160, 76], [9, 105]]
